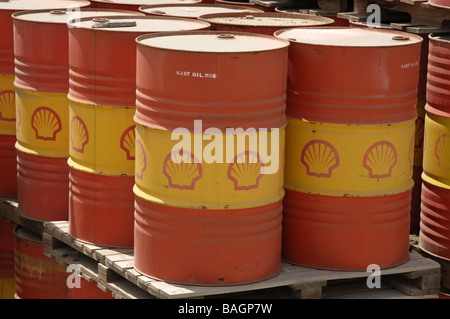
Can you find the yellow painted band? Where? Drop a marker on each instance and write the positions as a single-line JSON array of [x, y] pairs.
[[216, 173], [7, 288], [349, 160], [102, 139], [436, 153], [7, 105], [42, 123]]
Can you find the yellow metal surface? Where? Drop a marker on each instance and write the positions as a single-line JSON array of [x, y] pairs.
[[7, 288], [213, 173], [42, 123], [349, 160], [102, 139], [436, 153], [7, 105]]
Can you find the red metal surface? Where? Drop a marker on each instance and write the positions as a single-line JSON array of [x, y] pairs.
[[440, 3], [6, 25], [37, 276], [262, 23], [8, 166], [434, 236], [207, 247], [6, 42], [346, 82], [41, 48], [221, 99], [101, 209], [346, 233], [101, 77], [43, 187], [438, 87], [6, 249], [88, 290]]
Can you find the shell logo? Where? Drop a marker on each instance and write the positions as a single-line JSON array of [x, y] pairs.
[[320, 158], [141, 163], [79, 134], [7, 106], [245, 171], [441, 150], [46, 123], [127, 142], [183, 172], [379, 159]]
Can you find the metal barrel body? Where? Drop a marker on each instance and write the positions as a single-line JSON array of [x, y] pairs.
[[349, 146], [7, 280], [208, 209], [243, 3], [420, 121], [37, 276], [102, 95], [193, 11], [263, 23], [8, 183], [41, 50]]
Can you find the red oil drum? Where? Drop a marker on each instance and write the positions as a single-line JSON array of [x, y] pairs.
[[102, 97], [7, 281], [135, 4], [338, 22], [37, 277], [434, 236], [193, 11], [420, 121], [8, 183], [41, 85], [349, 147], [263, 23], [438, 88], [208, 222]]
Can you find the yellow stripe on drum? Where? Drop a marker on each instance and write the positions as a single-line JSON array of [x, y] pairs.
[[7, 287], [436, 154], [241, 176], [42, 123], [349, 160], [102, 139], [7, 105]]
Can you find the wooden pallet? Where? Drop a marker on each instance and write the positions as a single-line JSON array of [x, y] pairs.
[[9, 210], [417, 278]]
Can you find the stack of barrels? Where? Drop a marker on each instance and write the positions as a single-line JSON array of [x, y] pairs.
[[102, 98], [434, 236], [351, 107]]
